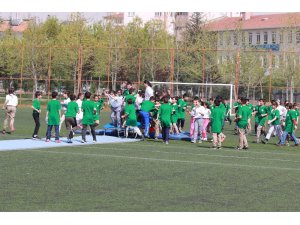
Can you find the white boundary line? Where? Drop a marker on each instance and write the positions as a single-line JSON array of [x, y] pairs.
[[197, 154], [167, 160], [223, 149]]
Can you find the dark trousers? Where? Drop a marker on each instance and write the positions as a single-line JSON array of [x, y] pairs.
[[49, 129], [84, 127], [180, 123], [165, 133], [36, 117], [70, 123]]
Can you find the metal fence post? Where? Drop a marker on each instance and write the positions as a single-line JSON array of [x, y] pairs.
[[237, 73], [22, 66]]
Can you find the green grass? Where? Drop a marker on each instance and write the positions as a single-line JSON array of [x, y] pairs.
[[148, 176]]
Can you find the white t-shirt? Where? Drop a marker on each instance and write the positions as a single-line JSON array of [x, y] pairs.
[[138, 102], [11, 100], [148, 93], [197, 112], [79, 115], [207, 113], [282, 111], [65, 104]]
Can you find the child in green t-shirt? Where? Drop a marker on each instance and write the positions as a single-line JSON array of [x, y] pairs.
[[242, 119], [164, 115], [89, 111], [36, 106], [174, 115], [99, 106], [131, 119], [53, 117], [182, 105], [217, 118], [70, 116]]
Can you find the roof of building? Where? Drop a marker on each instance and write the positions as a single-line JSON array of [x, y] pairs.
[[255, 22], [6, 25]]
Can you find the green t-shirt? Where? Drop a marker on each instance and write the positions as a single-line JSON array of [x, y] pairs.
[[36, 104], [130, 97], [217, 118], [174, 115], [98, 106], [131, 119], [289, 125], [53, 108], [147, 106], [262, 110], [181, 108], [72, 109], [250, 107], [243, 112], [223, 108], [88, 108], [227, 107], [236, 106], [275, 113], [165, 111]]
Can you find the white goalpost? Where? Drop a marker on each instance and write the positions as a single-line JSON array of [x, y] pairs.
[[197, 89]]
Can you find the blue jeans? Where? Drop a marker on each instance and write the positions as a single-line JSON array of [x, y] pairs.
[[49, 129], [146, 121], [285, 135]]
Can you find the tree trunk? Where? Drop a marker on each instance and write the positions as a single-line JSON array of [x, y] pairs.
[[287, 90], [261, 90], [34, 79], [292, 90]]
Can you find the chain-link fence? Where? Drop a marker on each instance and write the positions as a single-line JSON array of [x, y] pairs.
[[254, 73]]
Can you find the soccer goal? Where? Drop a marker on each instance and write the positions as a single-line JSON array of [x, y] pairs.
[[203, 90]]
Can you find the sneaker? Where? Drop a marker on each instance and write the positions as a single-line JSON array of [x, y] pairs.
[[296, 145], [94, 141], [57, 141], [204, 139], [69, 141], [3, 132], [83, 141], [213, 147], [200, 142], [264, 141], [245, 148], [219, 147], [279, 145], [156, 139], [238, 148], [48, 140], [167, 142], [193, 141]]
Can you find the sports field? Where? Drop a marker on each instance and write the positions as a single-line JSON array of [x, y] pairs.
[[147, 176]]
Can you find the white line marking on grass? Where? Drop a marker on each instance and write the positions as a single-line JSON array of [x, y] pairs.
[[196, 154], [223, 149], [167, 160]]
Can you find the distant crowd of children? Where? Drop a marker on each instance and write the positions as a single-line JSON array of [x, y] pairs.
[[165, 114]]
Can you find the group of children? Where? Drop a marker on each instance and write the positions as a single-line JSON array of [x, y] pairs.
[[165, 114], [282, 119]]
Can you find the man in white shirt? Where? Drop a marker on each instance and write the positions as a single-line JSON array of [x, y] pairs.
[[10, 105], [115, 101], [148, 90]]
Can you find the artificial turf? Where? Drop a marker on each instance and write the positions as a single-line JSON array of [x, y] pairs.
[[148, 176]]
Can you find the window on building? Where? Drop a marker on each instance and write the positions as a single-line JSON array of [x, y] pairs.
[[243, 38], [274, 37], [235, 39], [157, 13], [290, 36], [281, 37], [182, 13], [265, 38], [258, 38], [250, 38], [298, 36], [131, 14], [221, 39]]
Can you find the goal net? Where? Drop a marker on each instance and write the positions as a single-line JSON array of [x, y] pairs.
[[202, 90]]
